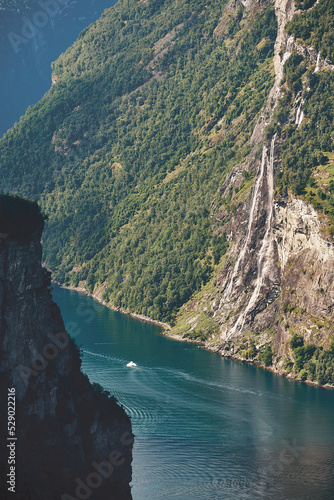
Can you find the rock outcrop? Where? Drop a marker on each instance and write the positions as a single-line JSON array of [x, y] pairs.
[[73, 440], [277, 279]]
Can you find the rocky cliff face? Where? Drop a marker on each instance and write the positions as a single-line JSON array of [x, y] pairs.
[[206, 200], [73, 441], [277, 280]]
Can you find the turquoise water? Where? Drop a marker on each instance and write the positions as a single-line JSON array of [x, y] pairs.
[[205, 427]]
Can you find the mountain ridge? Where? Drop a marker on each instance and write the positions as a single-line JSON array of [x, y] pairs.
[[170, 165]]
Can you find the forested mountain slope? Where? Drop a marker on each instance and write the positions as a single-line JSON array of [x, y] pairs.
[[179, 142], [151, 108]]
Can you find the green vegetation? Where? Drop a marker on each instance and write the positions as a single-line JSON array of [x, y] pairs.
[[252, 351], [266, 356], [296, 341], [307, 150], [287, 365], [151, 109], [316, 27], [304, 4], [313, 362], [303, 354], [304, 148]]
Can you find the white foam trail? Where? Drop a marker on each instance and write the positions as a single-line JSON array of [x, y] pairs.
[[104, 356]]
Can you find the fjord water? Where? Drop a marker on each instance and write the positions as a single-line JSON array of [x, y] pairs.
[[205, 427], [30, 41]]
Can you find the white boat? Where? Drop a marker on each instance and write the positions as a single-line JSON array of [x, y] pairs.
[[131, 364]]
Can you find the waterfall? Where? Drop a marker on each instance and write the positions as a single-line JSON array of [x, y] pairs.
[[298, 114], [227, 292], [284, 11], [267, 242], [300, 119], [317, 66], [286, 55]]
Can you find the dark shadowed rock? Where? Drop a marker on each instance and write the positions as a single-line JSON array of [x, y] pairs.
[[64, 425]]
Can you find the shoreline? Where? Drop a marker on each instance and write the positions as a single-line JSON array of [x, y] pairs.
[[254, 362], [167, 328], [166, 331]]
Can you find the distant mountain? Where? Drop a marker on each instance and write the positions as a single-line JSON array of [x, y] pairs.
[[184, 157]]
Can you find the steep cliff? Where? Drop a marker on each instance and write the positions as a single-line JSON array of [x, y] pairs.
[[150, 109], [72, 440], [276, 284], [185, 156]]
